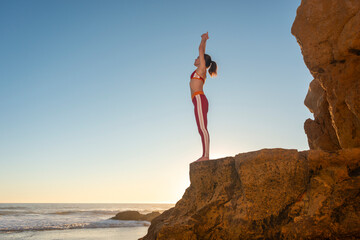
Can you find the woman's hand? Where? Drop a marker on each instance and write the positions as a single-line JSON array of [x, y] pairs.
[[205, 36], [202, 47]]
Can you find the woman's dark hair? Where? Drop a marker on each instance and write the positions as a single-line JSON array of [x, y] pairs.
[[211, 64]]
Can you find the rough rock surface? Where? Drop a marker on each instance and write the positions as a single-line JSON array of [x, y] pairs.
[[268, 194], [135, 215], [328, 32]]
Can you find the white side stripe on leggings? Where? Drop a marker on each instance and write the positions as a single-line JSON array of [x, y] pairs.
[[202, 124]]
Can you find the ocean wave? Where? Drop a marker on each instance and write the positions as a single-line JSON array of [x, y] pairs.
[[74, 212], [13, 207], [16, 213], [92, 212], [109, 223], [102, 212]]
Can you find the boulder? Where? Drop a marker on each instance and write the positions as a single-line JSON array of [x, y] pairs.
[[135, 215]]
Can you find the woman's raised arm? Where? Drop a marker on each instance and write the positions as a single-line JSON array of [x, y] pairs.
[[202, 47]]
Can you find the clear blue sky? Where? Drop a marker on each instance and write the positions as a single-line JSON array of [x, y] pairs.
[[95, 101]]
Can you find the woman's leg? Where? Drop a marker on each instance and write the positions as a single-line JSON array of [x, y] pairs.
[[201, 107]]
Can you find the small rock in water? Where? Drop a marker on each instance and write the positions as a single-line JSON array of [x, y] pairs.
[[135, 215]]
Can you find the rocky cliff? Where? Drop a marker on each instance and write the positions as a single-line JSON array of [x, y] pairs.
[[328, 32], [268, 194], [283, 193]]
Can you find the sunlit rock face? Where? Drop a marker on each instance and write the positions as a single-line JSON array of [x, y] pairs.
[[268, 194], [328, 34]]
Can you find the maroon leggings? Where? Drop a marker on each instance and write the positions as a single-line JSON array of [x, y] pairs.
[[201, 107]]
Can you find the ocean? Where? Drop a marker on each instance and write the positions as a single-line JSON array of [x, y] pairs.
[[75, 221]]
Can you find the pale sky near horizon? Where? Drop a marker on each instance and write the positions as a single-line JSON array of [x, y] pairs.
[[95, 101]]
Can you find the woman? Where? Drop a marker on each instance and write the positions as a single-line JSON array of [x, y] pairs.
[[197, 80]]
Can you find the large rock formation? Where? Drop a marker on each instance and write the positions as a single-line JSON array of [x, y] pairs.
[[328, 34], [135, 215], [283, 193], [268, 194]]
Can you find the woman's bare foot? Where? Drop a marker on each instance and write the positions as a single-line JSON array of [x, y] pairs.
[[202, 159]]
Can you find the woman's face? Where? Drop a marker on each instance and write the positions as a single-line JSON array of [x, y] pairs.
[[197, 62]]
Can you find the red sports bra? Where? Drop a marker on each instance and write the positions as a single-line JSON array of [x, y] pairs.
[[195, 75]]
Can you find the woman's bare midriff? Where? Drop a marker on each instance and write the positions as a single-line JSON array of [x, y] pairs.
[[195, 85]]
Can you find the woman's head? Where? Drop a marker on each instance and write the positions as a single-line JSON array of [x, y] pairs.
[[209, 64]]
